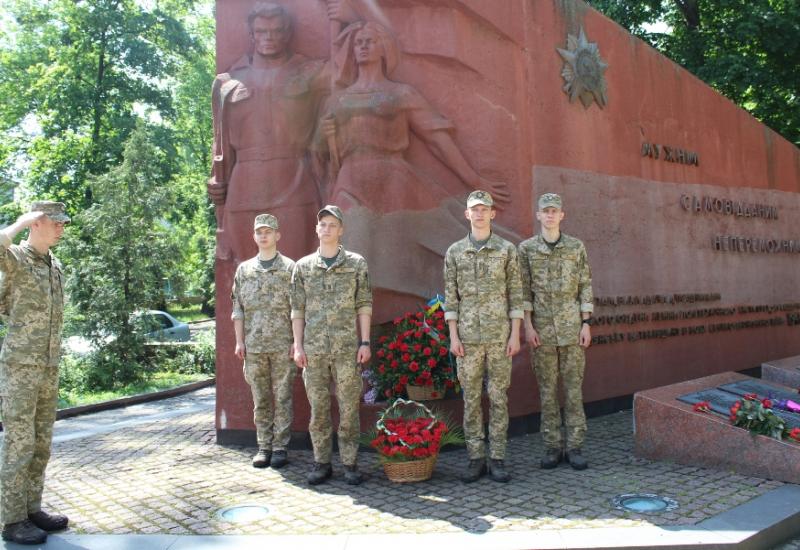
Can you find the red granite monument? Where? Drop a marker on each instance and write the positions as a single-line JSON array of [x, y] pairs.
[[689, 207]]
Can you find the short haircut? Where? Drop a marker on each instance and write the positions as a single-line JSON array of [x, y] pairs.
[[268, 10]]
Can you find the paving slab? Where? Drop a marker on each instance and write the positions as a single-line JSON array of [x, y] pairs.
[[156, 479]]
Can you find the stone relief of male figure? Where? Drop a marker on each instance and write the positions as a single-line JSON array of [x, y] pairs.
[[265, 110]]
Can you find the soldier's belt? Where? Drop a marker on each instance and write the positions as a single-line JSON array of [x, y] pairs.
[[262, 154]]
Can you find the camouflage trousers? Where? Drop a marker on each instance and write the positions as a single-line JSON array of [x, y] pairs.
[[479, 359], [570, 362], [28, 404], [317, 376], [271, 376]]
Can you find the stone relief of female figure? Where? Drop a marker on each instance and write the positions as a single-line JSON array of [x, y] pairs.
[[400, 219]]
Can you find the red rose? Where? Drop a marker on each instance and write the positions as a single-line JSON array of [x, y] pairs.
[[382, 339], [403, 379], [425, 374], [426, 330], [380, 353], [442, 351], [406, 358], [751, 396], [381, 369], [434, 343], [766, 403], [435, 394], [427, 351], [431, 362], [418, 334], [387, 392], [420, 315], [441, 335], [392, 345], [398, 388], [398, 320], [413, 366], [447, 370], [440, 326], [449, 383], [419, 381], [795, 434], [417, 348], [394, 364], [403, 347]]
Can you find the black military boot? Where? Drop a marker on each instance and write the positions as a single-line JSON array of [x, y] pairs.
[[576, 459], [24, 532], [475, 469], [49, 522], [551, 459], [319, 473], [262, 458], [280, 458], [352, 476], [497, 470]]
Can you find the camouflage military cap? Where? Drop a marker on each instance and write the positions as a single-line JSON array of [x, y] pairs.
[[56, 211], [479, 197], [549, 200], [266, 220], [331, 210]]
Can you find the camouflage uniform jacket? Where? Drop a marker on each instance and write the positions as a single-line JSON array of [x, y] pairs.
[[329, 299], [33, 295], [261, 299], [482, 289], [557, 286]]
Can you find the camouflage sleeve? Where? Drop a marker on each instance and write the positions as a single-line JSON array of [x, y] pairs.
[[298, 295], [363, 289], [451, 299], [513, 285], [525, 276], [237, 311], [585, 284], [8, 262]]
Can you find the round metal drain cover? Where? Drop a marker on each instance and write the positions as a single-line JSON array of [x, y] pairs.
[[243, 513], [644, 503]]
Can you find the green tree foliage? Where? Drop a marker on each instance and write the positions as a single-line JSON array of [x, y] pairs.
[[749, 50], [77, 71], [118, 257]]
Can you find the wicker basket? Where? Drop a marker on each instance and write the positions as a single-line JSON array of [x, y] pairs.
[[413, 470], [423, 393]]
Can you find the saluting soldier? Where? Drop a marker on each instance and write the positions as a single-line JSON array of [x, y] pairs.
[[557, 284], [33, 300], [483, 308], [263, 328], [330, 293]]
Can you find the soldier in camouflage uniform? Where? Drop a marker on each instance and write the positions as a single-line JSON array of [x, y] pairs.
[[33, 300], [263, 327], [330, 291], [483, 308], [557, 285]]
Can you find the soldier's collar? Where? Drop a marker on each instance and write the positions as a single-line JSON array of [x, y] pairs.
[[339, 258], [35, 253]]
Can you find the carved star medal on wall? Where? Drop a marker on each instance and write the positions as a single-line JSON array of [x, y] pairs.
[[584, 71]]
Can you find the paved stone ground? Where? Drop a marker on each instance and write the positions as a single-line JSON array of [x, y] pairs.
[[168, 476]]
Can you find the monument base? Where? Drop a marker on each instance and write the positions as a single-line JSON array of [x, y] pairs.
[[785, 372], [668, 429]]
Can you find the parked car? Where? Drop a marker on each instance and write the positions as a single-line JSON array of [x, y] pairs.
[[165, 326], [161, 326]]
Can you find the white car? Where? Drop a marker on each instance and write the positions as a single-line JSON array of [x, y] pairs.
[[166, 328]]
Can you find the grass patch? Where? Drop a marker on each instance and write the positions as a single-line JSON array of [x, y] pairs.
[[158, 381], [186, 313]]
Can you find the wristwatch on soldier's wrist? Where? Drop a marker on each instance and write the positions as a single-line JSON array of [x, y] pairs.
[[363, 343], [587, 321]]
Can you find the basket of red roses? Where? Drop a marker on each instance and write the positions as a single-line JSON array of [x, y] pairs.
[[408, 437]]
